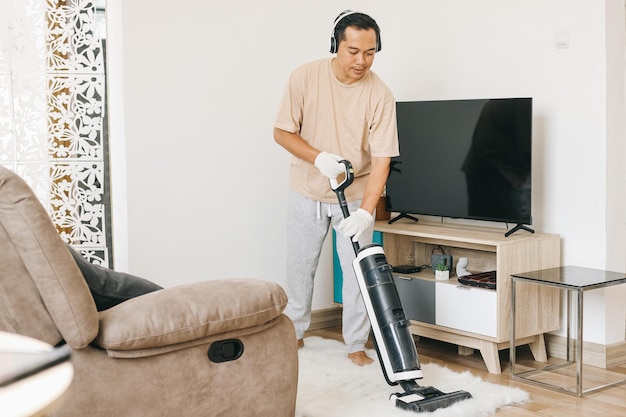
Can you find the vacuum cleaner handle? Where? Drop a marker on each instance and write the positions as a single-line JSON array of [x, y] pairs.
[[347, 180], [339, 188]]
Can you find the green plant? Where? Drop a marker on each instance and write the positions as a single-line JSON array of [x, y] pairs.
[[441, 266]]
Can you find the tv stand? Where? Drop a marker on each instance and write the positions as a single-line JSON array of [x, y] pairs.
[[518, 227], [402, 216], [470, 317]]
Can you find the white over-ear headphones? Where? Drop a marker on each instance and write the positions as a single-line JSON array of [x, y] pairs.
[[334, 44]]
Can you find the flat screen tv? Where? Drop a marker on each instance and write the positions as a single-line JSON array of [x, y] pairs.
[[468, 159]]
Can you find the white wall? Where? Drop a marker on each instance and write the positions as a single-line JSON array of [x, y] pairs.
[[206, 184]]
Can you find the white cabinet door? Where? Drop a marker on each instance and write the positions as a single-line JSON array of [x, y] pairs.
[[466, 308]]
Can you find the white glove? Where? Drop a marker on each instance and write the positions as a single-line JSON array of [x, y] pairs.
[[329, 165], [356, 224]]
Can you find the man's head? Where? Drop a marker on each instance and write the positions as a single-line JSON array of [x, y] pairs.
[[356, 39], [358, 20]]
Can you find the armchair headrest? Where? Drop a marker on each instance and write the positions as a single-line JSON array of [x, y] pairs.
[[38, 272]]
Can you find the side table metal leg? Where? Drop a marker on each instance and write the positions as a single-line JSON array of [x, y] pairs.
[[579, 346], [568, 335], [512, 347]]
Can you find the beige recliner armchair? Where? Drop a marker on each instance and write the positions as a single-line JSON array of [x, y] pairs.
[[214, 348]]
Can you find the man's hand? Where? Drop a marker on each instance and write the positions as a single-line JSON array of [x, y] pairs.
[[329, 165], [356, 224]]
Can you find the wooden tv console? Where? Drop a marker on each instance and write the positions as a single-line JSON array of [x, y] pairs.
[[470, 317]]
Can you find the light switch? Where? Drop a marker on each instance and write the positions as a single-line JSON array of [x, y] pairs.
[[561, 39]]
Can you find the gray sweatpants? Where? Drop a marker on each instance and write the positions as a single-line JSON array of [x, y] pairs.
[[308, 223]]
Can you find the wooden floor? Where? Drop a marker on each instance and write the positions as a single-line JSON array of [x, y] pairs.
[[544, 402]]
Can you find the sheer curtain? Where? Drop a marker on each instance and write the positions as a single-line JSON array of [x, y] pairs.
[[53, 129]]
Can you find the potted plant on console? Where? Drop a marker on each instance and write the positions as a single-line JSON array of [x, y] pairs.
[[442, 271]]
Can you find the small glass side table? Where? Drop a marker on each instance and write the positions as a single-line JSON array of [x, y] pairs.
[[575, 281]]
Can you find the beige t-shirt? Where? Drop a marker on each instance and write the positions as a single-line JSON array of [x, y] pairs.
[[354, 121]]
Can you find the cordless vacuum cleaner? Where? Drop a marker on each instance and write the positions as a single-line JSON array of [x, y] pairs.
[[391, 333]]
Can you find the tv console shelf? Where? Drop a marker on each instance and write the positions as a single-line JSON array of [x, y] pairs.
[[471, 317]]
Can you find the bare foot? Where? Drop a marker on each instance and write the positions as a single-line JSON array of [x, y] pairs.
[[360, 358], [300, 343]]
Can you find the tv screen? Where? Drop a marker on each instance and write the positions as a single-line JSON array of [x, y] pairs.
[[467, 159]]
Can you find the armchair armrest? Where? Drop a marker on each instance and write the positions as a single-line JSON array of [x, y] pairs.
[[176, 317]]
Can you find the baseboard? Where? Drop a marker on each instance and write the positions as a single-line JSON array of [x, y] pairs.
[[594, 354], [324, 318]]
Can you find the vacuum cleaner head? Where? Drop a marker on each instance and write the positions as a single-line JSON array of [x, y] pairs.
[[426, 399]]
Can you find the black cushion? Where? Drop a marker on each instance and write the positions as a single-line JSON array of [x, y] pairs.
[[109, 287]]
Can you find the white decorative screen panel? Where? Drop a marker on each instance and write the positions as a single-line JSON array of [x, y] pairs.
[[53, 114]]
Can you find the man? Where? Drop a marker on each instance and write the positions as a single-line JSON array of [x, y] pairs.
[[335, 109]]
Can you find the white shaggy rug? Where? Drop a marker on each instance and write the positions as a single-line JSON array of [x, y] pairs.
[[329, 385]]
